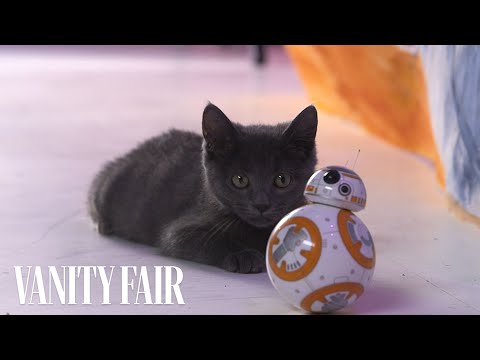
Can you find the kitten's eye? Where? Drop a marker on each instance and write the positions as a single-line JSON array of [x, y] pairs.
[[239, 181], [282, 180]]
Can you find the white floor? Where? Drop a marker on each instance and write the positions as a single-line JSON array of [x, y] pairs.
[[63, 112]]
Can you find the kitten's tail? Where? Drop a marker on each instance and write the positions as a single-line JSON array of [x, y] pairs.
[[93, 192], [100, 187]]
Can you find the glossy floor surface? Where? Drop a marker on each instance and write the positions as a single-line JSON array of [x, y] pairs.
[[65, 111]]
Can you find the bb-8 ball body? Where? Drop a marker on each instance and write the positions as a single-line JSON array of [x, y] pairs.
[[321, 257]]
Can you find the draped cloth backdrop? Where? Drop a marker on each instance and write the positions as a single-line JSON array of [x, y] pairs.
[[426, 101]]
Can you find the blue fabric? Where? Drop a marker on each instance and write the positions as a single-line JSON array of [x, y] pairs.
[[453, 82]]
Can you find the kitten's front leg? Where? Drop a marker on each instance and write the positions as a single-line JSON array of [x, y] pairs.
[[246, 249], [225, 243]]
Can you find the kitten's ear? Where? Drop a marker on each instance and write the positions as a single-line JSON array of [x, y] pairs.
[[218, 130], [300, 134]]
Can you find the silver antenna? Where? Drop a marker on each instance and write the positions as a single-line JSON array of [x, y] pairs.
[[355, 163], [346, 164]]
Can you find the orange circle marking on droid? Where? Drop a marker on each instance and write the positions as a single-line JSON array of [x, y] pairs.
[[345, 216], [311, 256], [321, 294]]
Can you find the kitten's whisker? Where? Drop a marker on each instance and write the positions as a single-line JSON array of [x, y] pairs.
[[215, 228], [223, 227]]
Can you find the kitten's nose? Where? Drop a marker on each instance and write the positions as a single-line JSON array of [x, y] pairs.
[[262, 207], [261, 201]]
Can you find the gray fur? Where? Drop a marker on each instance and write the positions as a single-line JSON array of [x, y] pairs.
[[175, 192]]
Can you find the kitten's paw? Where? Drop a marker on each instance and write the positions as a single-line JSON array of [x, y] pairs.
[[245, 261]]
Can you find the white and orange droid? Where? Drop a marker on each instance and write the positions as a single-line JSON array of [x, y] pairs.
[[321, 256]]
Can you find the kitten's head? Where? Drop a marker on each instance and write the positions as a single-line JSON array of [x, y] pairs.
[[259, 171]]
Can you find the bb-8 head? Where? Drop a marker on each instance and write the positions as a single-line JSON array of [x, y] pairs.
[[337, 186]]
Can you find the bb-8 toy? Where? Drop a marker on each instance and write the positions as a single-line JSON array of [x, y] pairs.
[[321, 257]]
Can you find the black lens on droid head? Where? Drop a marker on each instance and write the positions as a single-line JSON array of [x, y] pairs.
[[344, 189], [331, 177]]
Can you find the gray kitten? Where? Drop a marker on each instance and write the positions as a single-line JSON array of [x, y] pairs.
[[213, 199]]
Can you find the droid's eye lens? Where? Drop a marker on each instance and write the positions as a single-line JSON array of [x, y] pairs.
[[345, 189], [331, 177]]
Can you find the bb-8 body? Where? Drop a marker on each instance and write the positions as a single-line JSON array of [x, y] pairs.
[[321, 256]]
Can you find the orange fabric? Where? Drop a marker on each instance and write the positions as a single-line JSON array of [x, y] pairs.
[[380, 87]]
